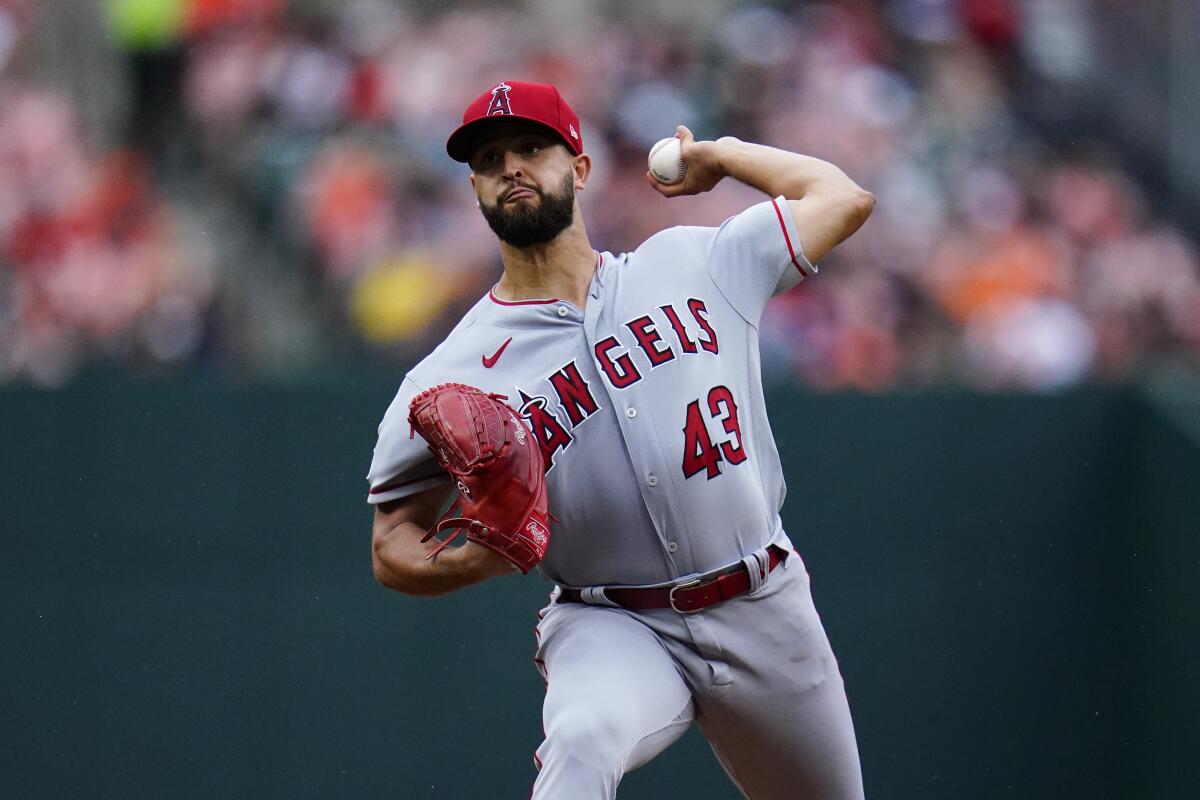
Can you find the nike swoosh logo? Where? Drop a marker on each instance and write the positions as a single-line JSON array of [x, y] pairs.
[[491, 362]]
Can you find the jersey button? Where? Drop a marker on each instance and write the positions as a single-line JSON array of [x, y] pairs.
[[672, 547], [652, 480], [631, 412], [562, 311]]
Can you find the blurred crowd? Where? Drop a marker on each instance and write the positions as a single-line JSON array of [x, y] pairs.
[[994, 259]]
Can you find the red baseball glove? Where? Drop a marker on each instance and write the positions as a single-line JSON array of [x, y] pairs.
[[498, 469]]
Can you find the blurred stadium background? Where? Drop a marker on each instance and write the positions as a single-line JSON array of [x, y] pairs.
[[228, 226], [257, 188]]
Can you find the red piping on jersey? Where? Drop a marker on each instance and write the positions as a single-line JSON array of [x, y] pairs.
[[492, 294], [786, 238], [492, 291], [387, 487]]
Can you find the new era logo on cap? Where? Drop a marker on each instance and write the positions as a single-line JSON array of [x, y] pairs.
[[535, 102]]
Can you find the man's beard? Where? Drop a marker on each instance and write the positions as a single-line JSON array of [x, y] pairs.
[[528, 225]]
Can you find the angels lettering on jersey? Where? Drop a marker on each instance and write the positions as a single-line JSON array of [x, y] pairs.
[[660, 335]]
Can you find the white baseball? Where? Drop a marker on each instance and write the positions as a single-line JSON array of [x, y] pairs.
[[666, 161]]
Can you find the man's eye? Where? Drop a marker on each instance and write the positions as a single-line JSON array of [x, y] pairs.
[[532, 148]]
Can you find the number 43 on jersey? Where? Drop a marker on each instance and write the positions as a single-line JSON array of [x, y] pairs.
[[700, 453]]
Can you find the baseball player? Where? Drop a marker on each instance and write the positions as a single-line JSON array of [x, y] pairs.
[[678, 595]]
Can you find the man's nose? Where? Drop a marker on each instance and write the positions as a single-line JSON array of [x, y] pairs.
[[513, 165]]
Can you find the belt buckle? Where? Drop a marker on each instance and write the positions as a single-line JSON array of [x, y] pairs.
[[693, 583]]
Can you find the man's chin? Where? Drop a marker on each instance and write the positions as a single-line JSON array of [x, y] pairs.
[[518, 214], [538, 221]]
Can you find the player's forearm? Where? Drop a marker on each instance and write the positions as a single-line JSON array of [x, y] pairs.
[[827, 207], [400, 564], [779, 172]]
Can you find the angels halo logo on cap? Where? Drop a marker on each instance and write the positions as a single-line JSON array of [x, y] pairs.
[[539, 103], [500, 104]]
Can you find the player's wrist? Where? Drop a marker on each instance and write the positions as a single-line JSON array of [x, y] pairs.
[[728, 149], [474, 562]]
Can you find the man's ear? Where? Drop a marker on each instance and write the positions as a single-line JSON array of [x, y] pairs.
[[583, 168]]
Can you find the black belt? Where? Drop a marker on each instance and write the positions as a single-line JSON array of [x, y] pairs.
[[686, 598]]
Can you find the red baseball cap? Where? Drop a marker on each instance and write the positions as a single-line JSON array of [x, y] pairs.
[[536, 102]]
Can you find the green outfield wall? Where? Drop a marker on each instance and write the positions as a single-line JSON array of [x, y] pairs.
[[186, 600]]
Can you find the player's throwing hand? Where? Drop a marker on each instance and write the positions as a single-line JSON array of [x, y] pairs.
[[704, 168]]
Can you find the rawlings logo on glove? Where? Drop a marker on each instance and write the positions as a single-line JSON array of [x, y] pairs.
[[497, 467]]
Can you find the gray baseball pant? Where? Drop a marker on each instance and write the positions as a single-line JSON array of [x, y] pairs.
[[756, 672]]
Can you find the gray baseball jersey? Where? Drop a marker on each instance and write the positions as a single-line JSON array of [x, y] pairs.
[[648, 403]]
